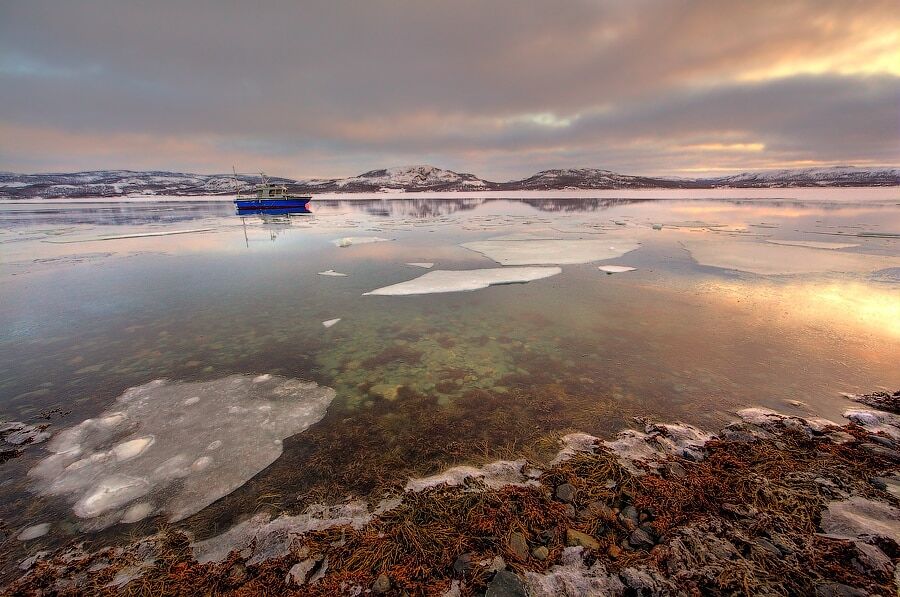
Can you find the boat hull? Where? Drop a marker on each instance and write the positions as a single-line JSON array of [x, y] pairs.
[[258, 204]]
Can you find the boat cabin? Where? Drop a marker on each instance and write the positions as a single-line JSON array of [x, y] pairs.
[[270, 191]]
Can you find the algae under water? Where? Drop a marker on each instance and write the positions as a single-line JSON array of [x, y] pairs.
[[428, 381]]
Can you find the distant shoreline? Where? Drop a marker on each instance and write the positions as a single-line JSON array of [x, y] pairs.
[[813, 194]]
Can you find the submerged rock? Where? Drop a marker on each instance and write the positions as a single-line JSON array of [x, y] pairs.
[[176, 447]]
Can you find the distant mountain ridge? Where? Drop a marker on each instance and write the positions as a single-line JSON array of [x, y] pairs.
[[117, 183]]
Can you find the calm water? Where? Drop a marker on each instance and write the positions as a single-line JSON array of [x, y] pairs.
[[426, 381]]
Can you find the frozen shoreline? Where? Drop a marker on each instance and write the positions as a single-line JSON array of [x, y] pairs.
[[813, 194]]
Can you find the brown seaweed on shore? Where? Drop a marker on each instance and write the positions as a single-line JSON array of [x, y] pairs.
[[746, 518]]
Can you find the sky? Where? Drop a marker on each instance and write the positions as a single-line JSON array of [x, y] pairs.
[[499, 88]]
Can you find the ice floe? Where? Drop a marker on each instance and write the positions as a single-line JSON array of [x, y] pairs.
[[155, 454], [422, 264], [330, 322], [658, 442], [358, 240], [616, 269], [133, 235], [332, 273], [465, 280], [767, 259], [875, 421], [812, 244], [552, 251]]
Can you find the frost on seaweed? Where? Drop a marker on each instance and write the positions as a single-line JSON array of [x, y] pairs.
[[174, 448]]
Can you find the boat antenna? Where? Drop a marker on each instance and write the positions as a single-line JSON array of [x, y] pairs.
[[237, 185]]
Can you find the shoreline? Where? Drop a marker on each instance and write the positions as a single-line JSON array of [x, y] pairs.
[[874, 195], [784, 503]]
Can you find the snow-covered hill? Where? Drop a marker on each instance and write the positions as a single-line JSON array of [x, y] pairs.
[[117, 183]]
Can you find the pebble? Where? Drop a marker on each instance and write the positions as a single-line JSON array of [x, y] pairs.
[[540, 553], [641, 539], [462, 564], [382, 584], [577, 538], [518, 546], [565, 493], [506, 584], [497, 564]]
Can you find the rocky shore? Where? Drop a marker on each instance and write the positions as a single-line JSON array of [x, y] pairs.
[[770, 505]]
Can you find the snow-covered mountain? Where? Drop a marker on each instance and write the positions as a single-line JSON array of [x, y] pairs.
[[118, 183], [412, 178], [836, 176], [587, 178]]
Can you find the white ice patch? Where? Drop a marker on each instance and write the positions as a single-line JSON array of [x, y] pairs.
[[572, 577], [616, 269], [767, 418], [33, 532], [574, 443], [812, 244], [357, 240], [658, 442], [422, 264], [153, 450], [332, 273], [494, 475], [260, 538], [552, 251], [874, 421], [133, 235], [458, 281], [330, 322], [767, 259]]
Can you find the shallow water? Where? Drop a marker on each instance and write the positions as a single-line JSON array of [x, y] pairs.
[[426, 381]]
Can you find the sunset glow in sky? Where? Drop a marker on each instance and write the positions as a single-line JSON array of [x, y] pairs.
[[499, 88]]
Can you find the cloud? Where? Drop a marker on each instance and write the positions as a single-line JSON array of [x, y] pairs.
[[318, 88]]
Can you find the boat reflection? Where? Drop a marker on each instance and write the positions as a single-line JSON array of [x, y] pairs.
[[274, 221]]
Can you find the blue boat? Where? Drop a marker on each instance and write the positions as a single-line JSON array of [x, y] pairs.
[[268, 196]]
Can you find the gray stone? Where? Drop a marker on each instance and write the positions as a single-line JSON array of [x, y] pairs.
[[836, 589], [565, 493], [497, 564], [506, 584], [641, 539], [540, 553], [768, 546], [518, 545]]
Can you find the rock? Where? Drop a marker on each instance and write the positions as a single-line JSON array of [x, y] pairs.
[[518, 546], [598, 509], [462, 564], [381, 585], [882, 451], [577, 538], [506, 584], [33, 532], [540, 553], [570, 511], [497, 564], [640, 538], [673, 470], [565, 493], [840, 437]]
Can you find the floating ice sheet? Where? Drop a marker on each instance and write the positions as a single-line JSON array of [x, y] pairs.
[[768, 259], [422, 264], [134, 235], [812, 244], [174, 447], [465, 280], [332, 273], [358, 240], [330, 322], [552, 251], [616, 269]]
